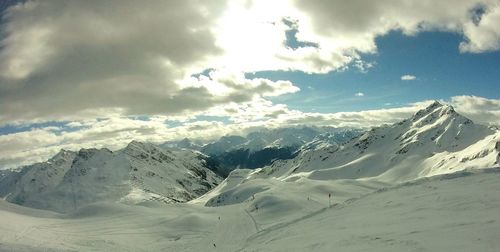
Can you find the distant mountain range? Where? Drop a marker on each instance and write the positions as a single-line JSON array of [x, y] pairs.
[[261, 148]]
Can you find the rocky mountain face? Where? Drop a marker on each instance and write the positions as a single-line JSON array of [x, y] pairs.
[[497, 147], [138, 173]]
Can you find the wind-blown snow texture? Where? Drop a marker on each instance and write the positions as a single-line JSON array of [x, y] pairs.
[[428, 183]]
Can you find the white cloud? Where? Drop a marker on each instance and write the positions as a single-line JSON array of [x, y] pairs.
[[74, 60], [359, 94], [93, 58], [355, 24], [479, 109], [229, 84], [408, 77], [484, 34], [87, 59]]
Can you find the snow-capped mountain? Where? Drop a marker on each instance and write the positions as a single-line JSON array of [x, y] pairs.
[[435, 140], [7, 180], [326, 140], [224, 144], [140, 172], [185, 143], [293, 137], [261, 148]]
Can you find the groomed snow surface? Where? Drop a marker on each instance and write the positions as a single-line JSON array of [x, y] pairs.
[[450, 213]]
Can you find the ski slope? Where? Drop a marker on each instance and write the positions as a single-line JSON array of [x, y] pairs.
[[447, 213]]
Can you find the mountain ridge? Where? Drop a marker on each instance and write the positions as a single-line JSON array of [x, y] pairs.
[[263, 147], [434, 141], [137, 173]]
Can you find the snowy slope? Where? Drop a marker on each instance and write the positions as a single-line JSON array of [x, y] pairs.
[[322, 141], [7, 180], [450, 213], [435, 140], [140, 172]]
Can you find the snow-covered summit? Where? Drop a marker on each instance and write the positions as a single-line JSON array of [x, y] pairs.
[[435, 140], [286, 137], [62, 155], [321, 141], [139, 172]]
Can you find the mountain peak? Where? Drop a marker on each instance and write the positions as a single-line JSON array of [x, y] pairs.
[[435, 107], [134, 143], [185, 140], [435, 104], [62, 155], [63, 152], [134, 175], [136, 146]]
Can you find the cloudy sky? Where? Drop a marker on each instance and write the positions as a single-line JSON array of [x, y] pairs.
[[100, 73]]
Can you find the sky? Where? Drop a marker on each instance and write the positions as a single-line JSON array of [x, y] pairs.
[[84, 74]]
